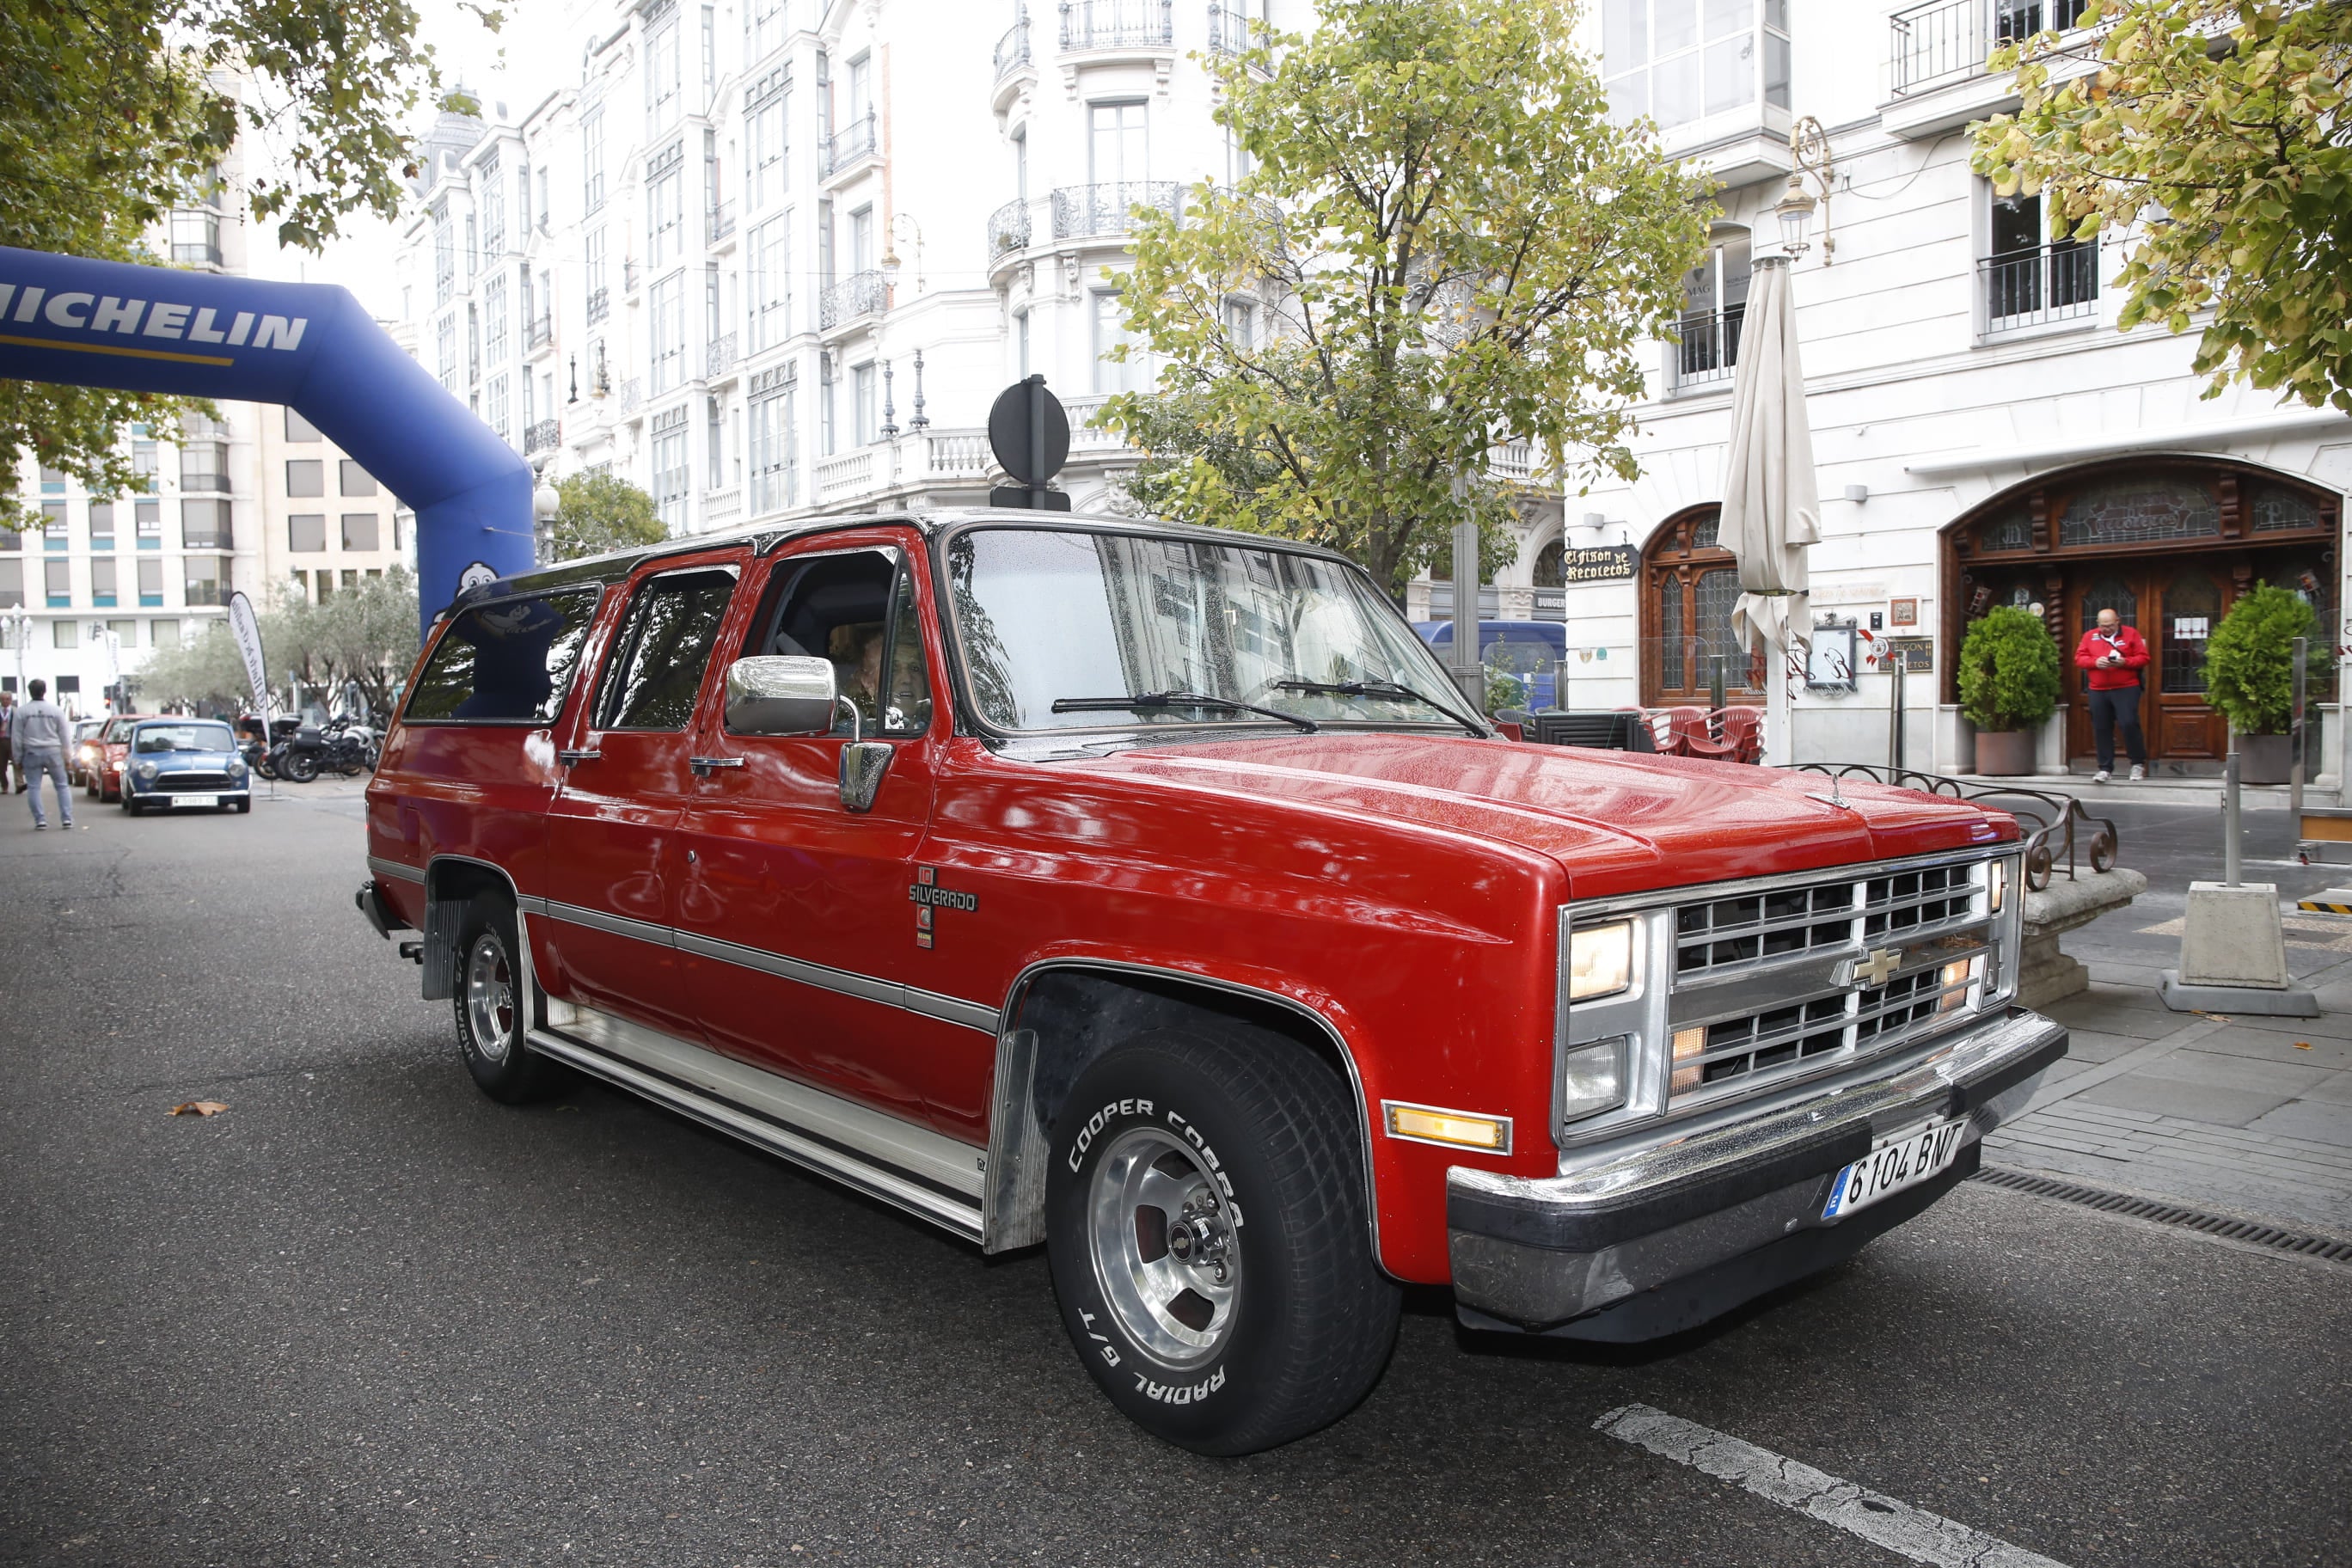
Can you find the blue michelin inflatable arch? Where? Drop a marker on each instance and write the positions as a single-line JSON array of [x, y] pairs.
[[311, 346]]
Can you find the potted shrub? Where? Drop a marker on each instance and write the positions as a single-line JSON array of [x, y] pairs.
[[2008, 687], [2250, 677]]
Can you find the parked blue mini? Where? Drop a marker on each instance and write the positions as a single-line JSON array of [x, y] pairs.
[[184, 764]]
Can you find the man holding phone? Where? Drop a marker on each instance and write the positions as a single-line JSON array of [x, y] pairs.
[[2111, 655]]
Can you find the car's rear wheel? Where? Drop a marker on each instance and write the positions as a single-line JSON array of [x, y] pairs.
[[490, 1003], [1208, 1238]]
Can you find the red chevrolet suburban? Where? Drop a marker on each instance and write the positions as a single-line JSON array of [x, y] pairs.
[[1149, 893]]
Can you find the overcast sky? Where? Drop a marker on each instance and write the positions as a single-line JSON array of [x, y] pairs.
[[515, 65]]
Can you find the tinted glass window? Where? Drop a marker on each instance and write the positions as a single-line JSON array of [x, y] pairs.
[[510, 662], [664, 646], [856, 609]]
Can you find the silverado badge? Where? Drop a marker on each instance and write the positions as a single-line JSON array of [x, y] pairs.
[[928, 896]]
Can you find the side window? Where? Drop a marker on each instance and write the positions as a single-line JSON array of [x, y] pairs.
[[505, 663], [856, 608], [655, 670]]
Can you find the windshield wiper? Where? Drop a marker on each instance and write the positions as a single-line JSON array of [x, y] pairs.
[[1150, 702], [1375, 688]]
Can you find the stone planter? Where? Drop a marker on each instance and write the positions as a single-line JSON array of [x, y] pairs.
[[2004, 752], [2045, 974], [2265, 759]]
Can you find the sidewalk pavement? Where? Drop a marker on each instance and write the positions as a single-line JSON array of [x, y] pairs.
[[2251, 1115]]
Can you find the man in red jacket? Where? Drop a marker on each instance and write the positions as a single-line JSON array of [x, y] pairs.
[[2111, 655]]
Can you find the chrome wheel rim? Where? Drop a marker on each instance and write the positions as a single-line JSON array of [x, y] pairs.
[[490, 997], [1165, 1254]]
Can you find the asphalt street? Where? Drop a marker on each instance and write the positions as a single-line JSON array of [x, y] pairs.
[[365, 1315]]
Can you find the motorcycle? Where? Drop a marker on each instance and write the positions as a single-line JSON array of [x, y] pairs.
[[352, 747], [297, 750]]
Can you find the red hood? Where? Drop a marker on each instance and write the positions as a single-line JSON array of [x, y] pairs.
[[1617, 822]]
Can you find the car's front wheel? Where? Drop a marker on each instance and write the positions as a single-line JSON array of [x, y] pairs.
[[490, 1003], [1209, 1241]]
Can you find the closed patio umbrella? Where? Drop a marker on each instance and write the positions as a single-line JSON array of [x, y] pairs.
[[1771, 510]]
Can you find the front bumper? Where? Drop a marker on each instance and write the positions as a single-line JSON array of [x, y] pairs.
[[1664, 1237]]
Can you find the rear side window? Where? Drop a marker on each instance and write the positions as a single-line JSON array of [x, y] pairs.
[[507, 663], [655, 670]]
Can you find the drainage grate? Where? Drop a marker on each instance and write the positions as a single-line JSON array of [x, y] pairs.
[[2244, 1230]]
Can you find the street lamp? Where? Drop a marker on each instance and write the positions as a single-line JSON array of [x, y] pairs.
[[1809, 146], [1796, 214]]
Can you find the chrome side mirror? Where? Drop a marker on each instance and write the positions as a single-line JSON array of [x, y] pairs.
[[779, 695], [864, 765]]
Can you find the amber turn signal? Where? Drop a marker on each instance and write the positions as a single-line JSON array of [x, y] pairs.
[[1689, 1046], [1462, 1129]]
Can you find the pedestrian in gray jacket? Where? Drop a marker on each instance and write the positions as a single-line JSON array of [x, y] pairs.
[[39, 737]]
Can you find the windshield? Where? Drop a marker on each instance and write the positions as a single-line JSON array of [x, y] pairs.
[[1051, 617], [183, 738]]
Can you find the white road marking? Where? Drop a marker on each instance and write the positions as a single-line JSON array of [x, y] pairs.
[[1908, 1531]]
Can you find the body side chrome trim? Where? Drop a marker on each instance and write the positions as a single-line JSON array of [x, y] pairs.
[[617, 925], [1021, 982], [714, 1111], [847, 983], [397, 870]]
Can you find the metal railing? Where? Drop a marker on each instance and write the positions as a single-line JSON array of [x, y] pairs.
[[540, 332], [1229, 30], [1013, 49], [2048, 818], [1008, 230], [719, 222], [600, 305], [2048, 283], [1945, 41], [1710, 350], [853, 143], [632, 393], [719, 357], [1116, 24], [859, 294], [542, 436], [1083, 210]]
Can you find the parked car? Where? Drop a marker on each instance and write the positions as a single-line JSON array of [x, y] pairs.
[[1531, 652], [82, 758], [183, 764], [103, 780], [1148, 893]]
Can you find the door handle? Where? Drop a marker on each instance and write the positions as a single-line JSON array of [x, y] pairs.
[[705, 766], [568, 758]]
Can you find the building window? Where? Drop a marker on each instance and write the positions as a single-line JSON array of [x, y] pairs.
[[63, 634], [662, 82], [56, 534], [144, 463], [446, 345], [1679, 61], [861, 240], [205, 525], [1714, 302], [1109, 333], [494, 318], [764, 21], [359, 530], [355, 479], [306, 532], [592, 158], [827, 427], [163, 634], [151, 594], [671, 468], [148, 515], [102, 582], [195, 238], [299, 430], [1689, 586], [865, 384], [593, 254], [1241, 325], [768, 141], [306, 477], [101, 525], [772, 281], [667, 311], [494, 402], [57, 578], [1551, 566], [714, 444], [1119, 145], [665, 213], [2031, 279], [12, 583], [445, 256], [775, 437], [493, 206], [1021, 344]]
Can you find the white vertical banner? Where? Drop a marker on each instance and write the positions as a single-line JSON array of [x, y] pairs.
[[243, 626]]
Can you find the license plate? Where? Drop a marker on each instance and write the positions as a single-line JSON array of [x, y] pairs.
[[180, 800], [1901, 1160]]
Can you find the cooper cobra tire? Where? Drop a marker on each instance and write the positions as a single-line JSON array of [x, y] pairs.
[[488, 1001], [1206, 1231]]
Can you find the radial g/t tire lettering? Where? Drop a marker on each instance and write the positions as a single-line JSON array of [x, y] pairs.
[[490, 997], [1207, 1235]]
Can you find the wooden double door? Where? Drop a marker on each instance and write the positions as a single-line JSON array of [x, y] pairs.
[[2174, 605]]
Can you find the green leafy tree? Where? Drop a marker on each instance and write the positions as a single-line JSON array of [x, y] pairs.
[[205, 673], [2250, 661], [113, 112], [2008, 671], [598, 512], [2212, 137], [1453, 248]]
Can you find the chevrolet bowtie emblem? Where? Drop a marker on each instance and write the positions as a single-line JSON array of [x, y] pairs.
[[1875, 968]]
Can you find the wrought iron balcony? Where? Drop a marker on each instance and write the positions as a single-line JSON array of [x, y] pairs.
[[633, 395], [1083, 210], [1117, 23], [542, 436], [1230, 30], [1945, 41], [719, 357], [540, 333], [1008, 230], [600, 305], [720, 222], [859, 294], [851, 145], [1710, 350], [1013, 49], [2034, 287]]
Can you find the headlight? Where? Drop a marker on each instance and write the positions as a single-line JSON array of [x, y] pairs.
[[88, 754], [236, 768], [1599, 961], [1592, 1078], [146, 771]]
